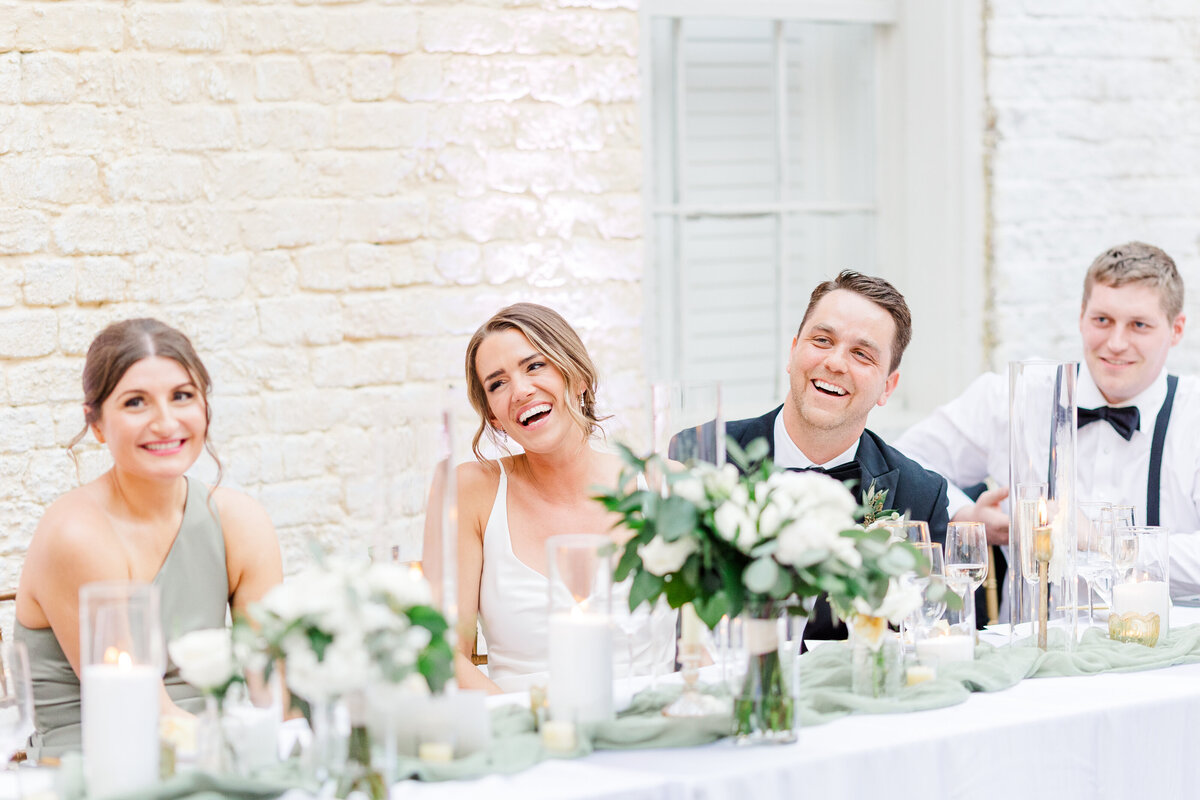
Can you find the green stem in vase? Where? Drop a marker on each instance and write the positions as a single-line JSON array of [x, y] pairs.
[[359, 774]]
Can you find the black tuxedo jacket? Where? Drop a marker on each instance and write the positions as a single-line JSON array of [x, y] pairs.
[[910, 487]]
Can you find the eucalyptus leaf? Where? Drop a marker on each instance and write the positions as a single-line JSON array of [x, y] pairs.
[[646, 588], [710, 609], [676, 518], [761, 575]]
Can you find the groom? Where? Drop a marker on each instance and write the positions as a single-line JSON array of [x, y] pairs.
[[844, 361]]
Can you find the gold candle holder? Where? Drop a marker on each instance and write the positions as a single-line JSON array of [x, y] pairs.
[[1043, 551], [1132, 627]]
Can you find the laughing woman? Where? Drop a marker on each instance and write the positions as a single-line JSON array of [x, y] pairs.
[[532, 383], [145, 398]]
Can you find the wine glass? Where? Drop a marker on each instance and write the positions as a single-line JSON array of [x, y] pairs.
[[930, 611], [909, 530], [966, 565], [16, 700], [1094, 560]]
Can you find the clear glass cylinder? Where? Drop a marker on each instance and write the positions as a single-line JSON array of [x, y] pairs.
[[122, 658], [579, 569], [1041, 583], [765, 705], [1141, 605]]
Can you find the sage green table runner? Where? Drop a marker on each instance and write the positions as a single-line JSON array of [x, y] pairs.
[[825, 695], [825, 675]]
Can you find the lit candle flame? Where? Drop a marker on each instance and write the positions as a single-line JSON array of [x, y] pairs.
[[1043, 517], [114, 655]]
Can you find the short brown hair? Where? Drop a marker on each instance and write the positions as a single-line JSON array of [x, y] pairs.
[[559, 343], [879, 292], [1138, 262], [121, 345]]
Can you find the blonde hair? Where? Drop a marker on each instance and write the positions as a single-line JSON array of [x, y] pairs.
[[1137, 262], [555, 339]]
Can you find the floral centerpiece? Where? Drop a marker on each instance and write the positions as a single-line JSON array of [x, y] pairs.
[[343, 627], [758, 542]]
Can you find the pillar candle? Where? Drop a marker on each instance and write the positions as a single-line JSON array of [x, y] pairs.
[[581, 667], [946, 649], [119, 716]]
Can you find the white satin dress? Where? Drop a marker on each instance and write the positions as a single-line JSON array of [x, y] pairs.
[[513, 615]]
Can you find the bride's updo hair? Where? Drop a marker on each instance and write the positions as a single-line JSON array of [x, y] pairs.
[[121, 345], [555, 339]]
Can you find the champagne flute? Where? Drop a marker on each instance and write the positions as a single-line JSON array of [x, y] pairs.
[[966, 565]]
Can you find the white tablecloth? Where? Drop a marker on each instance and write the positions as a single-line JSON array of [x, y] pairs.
[[1107, 736]]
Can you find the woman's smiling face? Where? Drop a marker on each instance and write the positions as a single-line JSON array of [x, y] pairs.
[[525, 391], [155, 419]]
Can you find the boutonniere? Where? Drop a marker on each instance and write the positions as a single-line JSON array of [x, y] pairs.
[[873, 501]]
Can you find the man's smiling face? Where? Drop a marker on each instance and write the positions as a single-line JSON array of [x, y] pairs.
[[1126, 338], [840, 363]]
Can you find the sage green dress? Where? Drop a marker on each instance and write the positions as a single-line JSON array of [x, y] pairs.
[[194, 586]]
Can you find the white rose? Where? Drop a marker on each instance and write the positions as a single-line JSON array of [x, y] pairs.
[[729, 519], [900, 601], [690, 489], [204, 658], [721, 482], [404, 586], [818, 530], [662, 557], [770, 518]]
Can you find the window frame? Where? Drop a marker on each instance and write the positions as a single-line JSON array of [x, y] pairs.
[[930, 205]]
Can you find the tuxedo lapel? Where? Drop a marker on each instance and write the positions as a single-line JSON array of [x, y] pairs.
[[876, 471]]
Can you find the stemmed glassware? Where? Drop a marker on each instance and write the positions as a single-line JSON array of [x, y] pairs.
[[966, 565], [16, 702], [1094, 561], [930, 611]]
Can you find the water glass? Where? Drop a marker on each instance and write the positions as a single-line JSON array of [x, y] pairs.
[[966, 567]]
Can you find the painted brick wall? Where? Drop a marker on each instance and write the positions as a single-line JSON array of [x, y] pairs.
[[1096, 141], [329, 198]]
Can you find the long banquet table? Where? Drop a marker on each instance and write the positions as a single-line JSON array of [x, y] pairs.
[[1127, 735]]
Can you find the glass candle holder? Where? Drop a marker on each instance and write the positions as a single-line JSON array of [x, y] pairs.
[[580, 627], [1141, 606], [122, 659], [1042, 585]]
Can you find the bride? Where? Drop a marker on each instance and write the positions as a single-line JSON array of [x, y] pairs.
[[533, 384]]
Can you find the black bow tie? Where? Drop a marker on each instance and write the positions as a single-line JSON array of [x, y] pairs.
[[1125, 420], [842, 472]]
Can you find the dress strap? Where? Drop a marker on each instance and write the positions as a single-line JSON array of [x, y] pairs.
[[1154, 477]]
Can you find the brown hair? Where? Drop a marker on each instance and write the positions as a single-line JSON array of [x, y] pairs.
[[555, 339], [1137, 262], [879, 292], [122, 344]]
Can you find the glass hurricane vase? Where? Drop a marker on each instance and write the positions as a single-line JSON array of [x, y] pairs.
[[765, 707]]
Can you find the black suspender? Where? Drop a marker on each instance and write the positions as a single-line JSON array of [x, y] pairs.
[[1154, 478]]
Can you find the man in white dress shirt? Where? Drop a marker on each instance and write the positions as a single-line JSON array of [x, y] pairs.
[[1139, 428]]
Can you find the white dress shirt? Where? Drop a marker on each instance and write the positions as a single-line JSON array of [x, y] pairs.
[[789, 456], [966, 440]]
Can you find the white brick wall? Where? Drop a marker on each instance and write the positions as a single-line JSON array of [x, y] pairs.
[[328, 198], [1096, 141]]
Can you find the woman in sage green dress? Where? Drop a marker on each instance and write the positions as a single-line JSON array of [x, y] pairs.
[[208, 549]]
